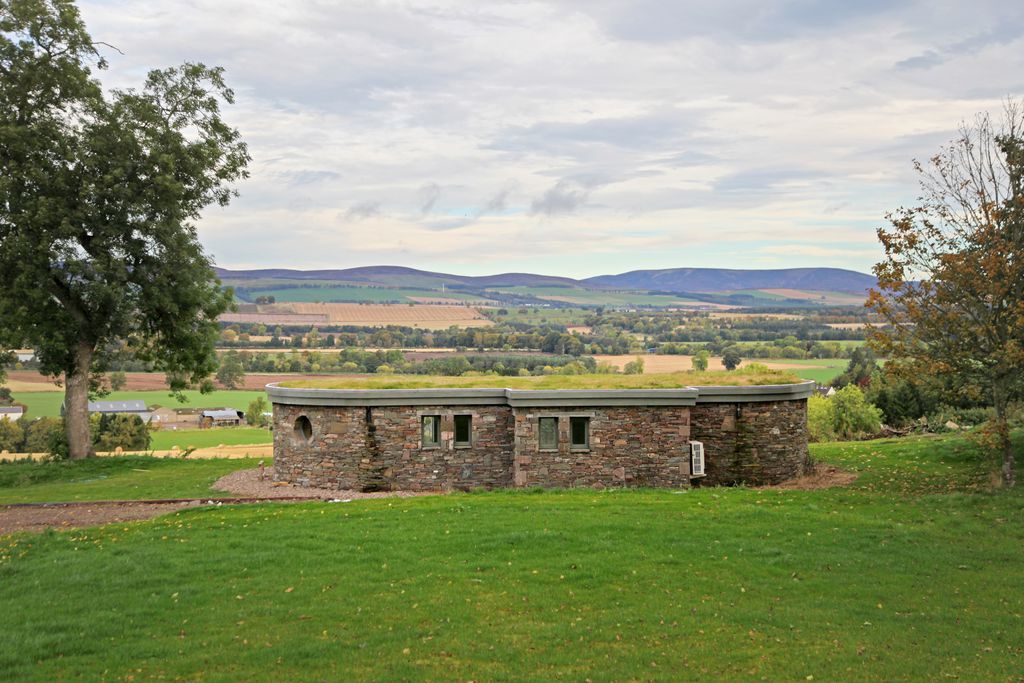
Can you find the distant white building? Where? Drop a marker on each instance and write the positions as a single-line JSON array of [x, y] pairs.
[[11, 412], [119, 408]]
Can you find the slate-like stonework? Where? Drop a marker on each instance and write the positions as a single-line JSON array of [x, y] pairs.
[[752, 443], [378, 448], [629, 446]]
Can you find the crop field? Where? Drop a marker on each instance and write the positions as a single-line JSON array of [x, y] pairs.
[[359, 294], [912, 573], [427, 316]]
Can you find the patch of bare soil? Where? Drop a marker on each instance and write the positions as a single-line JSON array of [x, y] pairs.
[[247, 483], [39, 518], [823, 477]]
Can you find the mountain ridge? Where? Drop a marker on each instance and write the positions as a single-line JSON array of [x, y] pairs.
[[666, 279]]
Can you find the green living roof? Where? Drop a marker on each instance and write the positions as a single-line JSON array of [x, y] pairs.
[[673, 380]]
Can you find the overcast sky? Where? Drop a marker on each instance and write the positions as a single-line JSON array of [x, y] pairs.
[[575, 138]]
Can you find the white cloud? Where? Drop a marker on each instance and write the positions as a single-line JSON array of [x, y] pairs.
[[574, 136]]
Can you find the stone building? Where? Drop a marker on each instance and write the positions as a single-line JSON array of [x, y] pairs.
[[444, 439]]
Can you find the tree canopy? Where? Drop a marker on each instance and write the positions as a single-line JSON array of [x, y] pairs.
[[951, 285], [99, 194]]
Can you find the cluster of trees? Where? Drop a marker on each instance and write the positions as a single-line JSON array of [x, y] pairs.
[[234, 364], [47, 434]]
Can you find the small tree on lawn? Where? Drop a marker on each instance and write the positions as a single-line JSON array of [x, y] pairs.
[[700, 360], [951, 285], [254, 414], [99, 192]]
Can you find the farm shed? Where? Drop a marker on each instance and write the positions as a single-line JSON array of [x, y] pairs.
[[119, 408], [444, 439], [222, 417]]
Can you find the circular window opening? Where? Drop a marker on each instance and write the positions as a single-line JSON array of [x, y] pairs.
[[303, 428]]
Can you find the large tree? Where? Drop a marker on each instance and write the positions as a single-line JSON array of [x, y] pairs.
[[99, 194], [951, 285]]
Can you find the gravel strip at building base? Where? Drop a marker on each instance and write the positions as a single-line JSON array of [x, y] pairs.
[[247, 483]]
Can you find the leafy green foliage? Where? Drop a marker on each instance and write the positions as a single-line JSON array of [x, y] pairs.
[[98, 197], [254, 414], [127, 432], [12, 435], [700, 360], [634, 367], [231, 372], [731, 358], [951, 285], [845, 415]]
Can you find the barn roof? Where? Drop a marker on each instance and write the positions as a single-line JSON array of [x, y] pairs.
[[117, 407]]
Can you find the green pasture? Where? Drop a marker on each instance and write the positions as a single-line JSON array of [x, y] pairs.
[[48, 403], [126, 477], [912, 573], [165, 439]]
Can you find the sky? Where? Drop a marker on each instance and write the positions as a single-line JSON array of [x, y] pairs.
[[574, 138]]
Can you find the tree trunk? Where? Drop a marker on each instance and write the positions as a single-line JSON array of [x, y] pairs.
[[76, 404], [1000, 399]]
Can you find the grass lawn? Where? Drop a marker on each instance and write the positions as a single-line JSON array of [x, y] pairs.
[[121, 478], [913, 573], [47, 403], [164, 440]]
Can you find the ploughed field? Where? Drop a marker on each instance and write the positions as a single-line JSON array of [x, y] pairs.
[[911, 573]]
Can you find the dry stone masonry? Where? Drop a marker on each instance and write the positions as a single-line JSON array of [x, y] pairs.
[[446, 439]]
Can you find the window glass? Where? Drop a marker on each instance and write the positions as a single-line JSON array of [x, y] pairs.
[[579, 430], [463, 429], [431, 430], [548, 432]]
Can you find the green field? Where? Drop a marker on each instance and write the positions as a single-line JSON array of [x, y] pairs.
[[912, 574], [358, 294], [117, 478], [47, 403], [165, 439]]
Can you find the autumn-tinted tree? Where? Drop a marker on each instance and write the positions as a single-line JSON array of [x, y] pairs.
[[951, 285], [98, 197]]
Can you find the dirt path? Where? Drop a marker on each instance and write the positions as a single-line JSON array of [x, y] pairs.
[[245, 484]]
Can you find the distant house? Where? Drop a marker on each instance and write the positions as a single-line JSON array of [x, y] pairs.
[[221, 417], [11, 412], [826, 392]]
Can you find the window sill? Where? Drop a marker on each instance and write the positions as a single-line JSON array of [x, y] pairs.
[[580, 449], [547, 450], [431, 447], [462, 446]]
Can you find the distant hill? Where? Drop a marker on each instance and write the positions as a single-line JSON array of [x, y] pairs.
[[668, 280], [724, 280]]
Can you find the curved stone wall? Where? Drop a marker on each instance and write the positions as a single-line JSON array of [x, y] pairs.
[[373, 439]]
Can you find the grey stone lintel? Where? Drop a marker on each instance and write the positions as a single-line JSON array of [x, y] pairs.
[[534, 398]]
